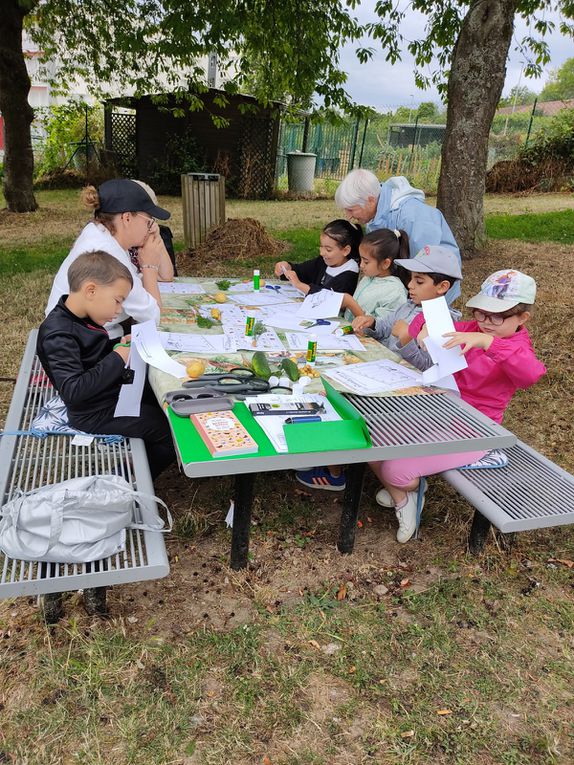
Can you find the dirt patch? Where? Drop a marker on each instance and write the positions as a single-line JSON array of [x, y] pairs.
[[237, 240]]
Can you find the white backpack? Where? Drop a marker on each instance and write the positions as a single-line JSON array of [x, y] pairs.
[[76, 521]]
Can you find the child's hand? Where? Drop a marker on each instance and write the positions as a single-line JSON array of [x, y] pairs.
[[400, 330], [361, 323], [126, 339], [422, 336], [468, 340], [123, 351], [292, 277], [281, 268]]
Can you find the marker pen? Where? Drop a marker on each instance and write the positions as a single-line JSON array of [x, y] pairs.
[[295, 420]]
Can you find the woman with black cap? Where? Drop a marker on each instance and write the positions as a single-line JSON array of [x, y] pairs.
[[124, 217]]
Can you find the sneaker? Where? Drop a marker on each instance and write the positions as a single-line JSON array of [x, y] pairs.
[[384, 499], [492, 459], [409, 514], [321, 478]]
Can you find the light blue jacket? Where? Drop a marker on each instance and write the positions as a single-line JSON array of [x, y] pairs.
[[403, 207]]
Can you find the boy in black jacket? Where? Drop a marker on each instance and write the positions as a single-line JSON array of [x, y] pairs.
[[85, 366]]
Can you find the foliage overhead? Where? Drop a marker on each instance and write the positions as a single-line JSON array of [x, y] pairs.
[[444, 20], [147, 45], [560, 85]]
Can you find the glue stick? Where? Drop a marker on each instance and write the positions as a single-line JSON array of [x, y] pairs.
[[311, 357], [256, 280], [341, 331], [249, 325]]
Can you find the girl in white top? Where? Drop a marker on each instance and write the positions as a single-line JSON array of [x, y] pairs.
[[124, 216]]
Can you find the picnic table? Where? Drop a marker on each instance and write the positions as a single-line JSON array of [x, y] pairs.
[[408, 423]]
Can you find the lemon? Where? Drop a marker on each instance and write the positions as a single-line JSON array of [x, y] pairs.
[[215, 314], [195, 368], [220, 297]]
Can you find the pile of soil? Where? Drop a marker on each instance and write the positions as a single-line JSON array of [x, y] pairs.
[[237, 240], [511, 176]]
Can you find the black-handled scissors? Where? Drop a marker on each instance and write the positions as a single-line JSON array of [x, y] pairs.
[[230, 384]]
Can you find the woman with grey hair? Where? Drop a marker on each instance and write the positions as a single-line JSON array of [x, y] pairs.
[[395, 204]]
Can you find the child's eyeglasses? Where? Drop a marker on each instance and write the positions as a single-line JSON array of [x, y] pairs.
[[496, 319]]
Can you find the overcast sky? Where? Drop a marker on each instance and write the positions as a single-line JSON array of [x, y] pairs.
[[382, 86]]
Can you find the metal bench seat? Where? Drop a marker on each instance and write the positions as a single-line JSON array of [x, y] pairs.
[[28, 462], [531, 492]]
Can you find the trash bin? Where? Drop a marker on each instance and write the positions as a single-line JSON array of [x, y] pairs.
[[300, 171], [203, 198]]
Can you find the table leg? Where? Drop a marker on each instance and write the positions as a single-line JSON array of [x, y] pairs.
[[241, 520], [478, 533], [351, 500]]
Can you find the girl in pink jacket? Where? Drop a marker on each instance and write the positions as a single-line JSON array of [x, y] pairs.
[[500, 360]]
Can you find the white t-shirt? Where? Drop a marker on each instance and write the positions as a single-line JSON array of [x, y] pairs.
[[139, 304]]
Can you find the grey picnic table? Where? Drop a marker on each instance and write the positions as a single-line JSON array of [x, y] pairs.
[[399, 426]]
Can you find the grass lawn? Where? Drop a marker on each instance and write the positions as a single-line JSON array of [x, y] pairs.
[[396, 655]]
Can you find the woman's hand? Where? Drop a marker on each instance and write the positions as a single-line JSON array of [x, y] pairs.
[[152, 251], [361, 323], [281, 268], [468, 340]]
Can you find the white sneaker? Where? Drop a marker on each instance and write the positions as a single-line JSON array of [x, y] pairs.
[[384, 499], [407, 516]]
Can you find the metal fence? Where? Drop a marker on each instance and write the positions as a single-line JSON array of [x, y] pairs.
[[389, 146]]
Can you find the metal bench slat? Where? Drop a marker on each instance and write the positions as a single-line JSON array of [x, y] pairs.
[[27, 463], [531, 492]]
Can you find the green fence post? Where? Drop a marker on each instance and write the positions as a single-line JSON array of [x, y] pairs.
[[363, 142], [530, 123], [354, 146]]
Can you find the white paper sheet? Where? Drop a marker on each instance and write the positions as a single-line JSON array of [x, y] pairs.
[[267, 341], [297, 341], [180, 288], [325, 304], [146, 339], [130, 398], [286, 289], [374, 376], [293, 322], [273, 424], [263, 297], [439, 321], [181, 341]]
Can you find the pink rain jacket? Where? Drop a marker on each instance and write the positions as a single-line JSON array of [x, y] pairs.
[[493, 376]]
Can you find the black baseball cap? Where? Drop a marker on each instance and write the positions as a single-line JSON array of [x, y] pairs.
[[121, 195]]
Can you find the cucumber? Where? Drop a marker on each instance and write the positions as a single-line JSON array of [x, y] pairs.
[[260, 365], [291, 369]]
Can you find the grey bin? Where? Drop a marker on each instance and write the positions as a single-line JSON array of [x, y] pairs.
[[203, 199], [300, 171]]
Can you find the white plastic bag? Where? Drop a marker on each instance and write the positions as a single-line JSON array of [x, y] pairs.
[[76, 521]]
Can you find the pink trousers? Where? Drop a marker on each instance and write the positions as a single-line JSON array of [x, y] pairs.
[[403, 472]]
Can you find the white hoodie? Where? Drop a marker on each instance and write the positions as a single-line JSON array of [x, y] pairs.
[[139, 304]]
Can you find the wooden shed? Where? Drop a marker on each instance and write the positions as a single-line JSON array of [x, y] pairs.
[[156, 138]]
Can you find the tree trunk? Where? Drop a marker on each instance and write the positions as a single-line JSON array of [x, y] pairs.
[[16, 111], [475, 83]]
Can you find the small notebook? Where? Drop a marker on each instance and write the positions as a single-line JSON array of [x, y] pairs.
[[223, 434]]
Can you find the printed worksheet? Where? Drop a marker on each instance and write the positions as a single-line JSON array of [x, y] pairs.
[[374, 376], [146, 339], [180, 288], [263, 297], [181, 341], [297, 341], [438, 321], [282, 320], [325, 304], [266, 341]]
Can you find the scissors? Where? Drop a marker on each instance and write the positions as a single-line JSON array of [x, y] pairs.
[[238, 380], [275, 287], [320, 323]]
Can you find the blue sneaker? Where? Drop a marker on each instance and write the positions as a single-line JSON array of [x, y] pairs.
[[321, 478]]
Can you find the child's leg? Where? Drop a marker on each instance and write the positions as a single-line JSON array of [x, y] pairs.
[[153, 427]]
